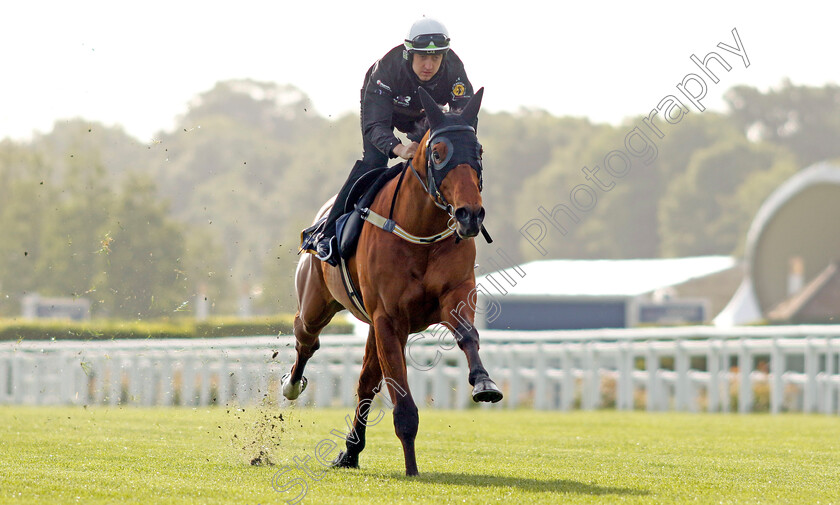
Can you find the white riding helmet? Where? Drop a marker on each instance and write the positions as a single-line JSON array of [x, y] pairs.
[[427, 36]]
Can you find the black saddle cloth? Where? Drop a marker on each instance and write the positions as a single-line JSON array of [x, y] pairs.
[[349, 225]]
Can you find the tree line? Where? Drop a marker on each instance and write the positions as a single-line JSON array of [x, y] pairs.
[[213, 209]]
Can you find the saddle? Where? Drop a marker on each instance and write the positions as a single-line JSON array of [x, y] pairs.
[[348, 226]]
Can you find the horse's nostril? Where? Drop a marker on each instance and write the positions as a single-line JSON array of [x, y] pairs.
[[462, 214], [481, 214]]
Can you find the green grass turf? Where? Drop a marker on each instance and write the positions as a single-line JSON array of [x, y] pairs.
[[182, 455]]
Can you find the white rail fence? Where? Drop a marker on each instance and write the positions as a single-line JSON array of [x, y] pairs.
[[775, 369]]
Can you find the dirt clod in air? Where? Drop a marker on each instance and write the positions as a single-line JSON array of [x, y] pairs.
[[259, 435]]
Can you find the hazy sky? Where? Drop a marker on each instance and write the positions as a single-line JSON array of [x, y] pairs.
[[138, 64]]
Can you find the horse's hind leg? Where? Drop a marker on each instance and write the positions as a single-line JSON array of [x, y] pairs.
[[369, 380], [314, 314], [307, 342]]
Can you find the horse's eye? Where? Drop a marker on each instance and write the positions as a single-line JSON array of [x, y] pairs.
[[436, 156]]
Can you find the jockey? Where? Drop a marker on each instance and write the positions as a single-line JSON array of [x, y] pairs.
[[390, 100]]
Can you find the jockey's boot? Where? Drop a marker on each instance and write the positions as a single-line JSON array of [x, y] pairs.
[[327, 250]]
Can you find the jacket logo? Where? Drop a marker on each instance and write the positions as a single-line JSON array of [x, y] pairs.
[[403, 101], [458, 89]]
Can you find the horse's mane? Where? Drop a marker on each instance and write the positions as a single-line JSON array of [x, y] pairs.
[[419, 128]]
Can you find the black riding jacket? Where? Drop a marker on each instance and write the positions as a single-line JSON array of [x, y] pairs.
[[390, 99]]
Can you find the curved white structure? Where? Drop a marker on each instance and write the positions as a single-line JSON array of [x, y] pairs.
[[799, 221]]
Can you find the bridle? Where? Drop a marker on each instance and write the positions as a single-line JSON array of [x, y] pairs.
[[437, 169]]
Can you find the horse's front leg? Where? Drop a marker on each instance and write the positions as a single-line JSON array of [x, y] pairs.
[[457, 314], [390, 344], [368, 383]]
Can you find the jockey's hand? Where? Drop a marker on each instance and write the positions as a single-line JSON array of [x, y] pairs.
[[406, 152]]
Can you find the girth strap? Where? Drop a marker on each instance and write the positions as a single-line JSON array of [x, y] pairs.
[[354, 294]]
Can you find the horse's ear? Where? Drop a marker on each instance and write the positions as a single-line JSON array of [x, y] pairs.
[[433, 112], [470, 112]]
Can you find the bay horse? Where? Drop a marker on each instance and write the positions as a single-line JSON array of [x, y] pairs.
[[405, 286]]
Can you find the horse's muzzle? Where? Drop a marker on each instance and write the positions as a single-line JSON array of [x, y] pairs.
[[468, 221]]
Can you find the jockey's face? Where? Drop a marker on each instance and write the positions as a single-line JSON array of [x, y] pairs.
[[425, 66]]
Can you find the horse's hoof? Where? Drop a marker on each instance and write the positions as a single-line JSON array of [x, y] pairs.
[[486, 390], [292, 391], [345, 460]]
